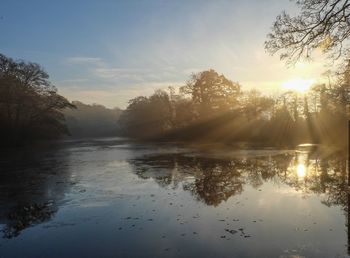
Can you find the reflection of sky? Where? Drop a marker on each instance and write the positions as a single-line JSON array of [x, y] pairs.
[[111, 51], [112, 211]]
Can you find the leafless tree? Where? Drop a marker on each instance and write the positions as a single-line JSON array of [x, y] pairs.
[[320, 24]]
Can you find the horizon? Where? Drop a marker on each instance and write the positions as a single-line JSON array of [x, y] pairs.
[[100, 53]]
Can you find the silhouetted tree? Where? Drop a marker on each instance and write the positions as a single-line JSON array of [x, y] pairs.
[[30, 106]]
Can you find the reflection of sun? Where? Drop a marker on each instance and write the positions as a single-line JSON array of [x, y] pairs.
[[299, 85], [301, 171]]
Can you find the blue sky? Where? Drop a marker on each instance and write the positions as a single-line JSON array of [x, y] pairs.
[[110, 51]]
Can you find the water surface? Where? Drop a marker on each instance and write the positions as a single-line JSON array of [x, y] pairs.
[[113, 198]]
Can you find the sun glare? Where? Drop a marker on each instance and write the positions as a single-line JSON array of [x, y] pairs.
[[299, 85], [301, 170]]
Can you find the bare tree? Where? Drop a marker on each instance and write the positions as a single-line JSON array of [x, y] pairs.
[[321, 24]]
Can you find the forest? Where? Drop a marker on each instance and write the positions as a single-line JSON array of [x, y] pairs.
[[208, 108], [212, 108], [31, 109]]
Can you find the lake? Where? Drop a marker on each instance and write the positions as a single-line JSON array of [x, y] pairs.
[[115, 198]]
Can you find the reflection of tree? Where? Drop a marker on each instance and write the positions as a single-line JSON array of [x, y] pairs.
[[166, 169], [213, 180], [218, 180], [32, 183], [24, 216], [324, 175]]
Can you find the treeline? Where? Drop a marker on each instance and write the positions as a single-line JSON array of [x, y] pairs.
[[208, 108], [92, 120], [30, 107], [32, 110], [211, 108]]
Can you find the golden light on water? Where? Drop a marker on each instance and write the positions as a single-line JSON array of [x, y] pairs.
[[299, 85], [301, 170]]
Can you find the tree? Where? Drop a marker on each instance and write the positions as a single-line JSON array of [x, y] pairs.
[[211, 92], [30, 106], [321, 24], [254, 104], [147, 116], [324, 25], [340, 93], [92, 120]]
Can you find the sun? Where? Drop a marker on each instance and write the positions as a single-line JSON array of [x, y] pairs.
[[299, 85]]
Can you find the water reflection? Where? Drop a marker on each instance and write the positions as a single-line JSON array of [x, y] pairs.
[[181, 202], [32, 185], [214, 180], [302, 160], [301, 171]]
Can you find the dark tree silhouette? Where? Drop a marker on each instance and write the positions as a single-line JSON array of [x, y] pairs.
[[30, 106]]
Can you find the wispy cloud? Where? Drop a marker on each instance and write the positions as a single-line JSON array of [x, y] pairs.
[[113, 73], [84, 60], [100, 71]]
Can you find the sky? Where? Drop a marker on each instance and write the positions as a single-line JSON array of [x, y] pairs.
[[108, 52]]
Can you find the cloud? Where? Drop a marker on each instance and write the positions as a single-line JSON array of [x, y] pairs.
[[99, 70], [84, 60], [112, 72]]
